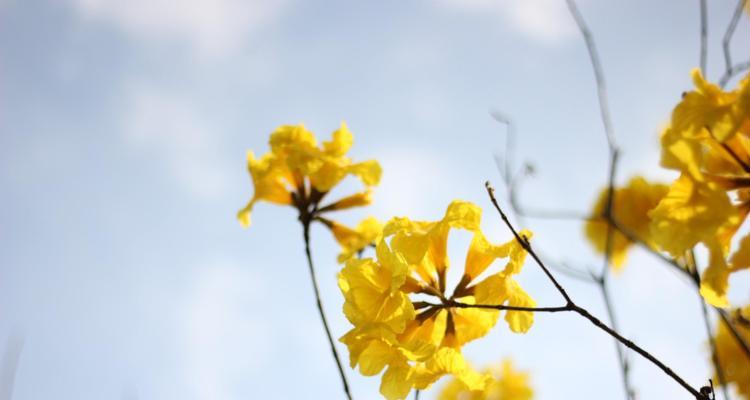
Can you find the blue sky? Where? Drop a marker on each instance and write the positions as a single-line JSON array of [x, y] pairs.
[[123, 132]]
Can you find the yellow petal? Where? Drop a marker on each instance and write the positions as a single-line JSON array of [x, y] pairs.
[[449, 361], [396, 383], [715, 279], [375, 357], [463, 214], [369, 172], [519, 321], [473, 323], [340, 143], [741, 257], [355, 200], [691, 212], [244, 215], [482, 253]]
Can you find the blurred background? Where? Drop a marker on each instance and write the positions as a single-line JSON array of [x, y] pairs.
[[123, 132]]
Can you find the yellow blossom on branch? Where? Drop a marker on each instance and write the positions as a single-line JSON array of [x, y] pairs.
[[507, 384], [631, 205], [299, 172], [708, 141], [415, 340]]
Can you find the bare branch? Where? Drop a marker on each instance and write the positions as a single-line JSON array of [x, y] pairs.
[[585, 313], [601, 87]]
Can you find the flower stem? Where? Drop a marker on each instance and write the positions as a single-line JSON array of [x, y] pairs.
[[321, 312]]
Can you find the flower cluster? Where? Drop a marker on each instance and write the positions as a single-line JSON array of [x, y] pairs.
[[733, 361], [299, 172], [507, 384], [418, 341], [708, 142], [630, 207]]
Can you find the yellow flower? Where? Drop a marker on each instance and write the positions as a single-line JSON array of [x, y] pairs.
[[416, 340], [733, 360], [690, 213], [708, 141], [300, 173], [506, 384], [631, 205]]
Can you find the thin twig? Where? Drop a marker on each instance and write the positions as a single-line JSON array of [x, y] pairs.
[[704, 37], [603, 281], [692, 265], [714, 352], [734, 71], [727, 40], [314, 279], [601, 90], [500, 307], [694, 279], [601, 87], [510, 137], [585, 313]]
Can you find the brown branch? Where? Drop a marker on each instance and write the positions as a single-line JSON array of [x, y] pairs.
[[501, 307], [585, 313], [693, 278], [306, 233]]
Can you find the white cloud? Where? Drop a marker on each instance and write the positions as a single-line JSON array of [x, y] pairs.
[[546, 21], [227, 339], [210, 27], [171, 128]]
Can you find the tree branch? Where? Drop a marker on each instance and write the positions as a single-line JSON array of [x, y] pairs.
[[585, 313]]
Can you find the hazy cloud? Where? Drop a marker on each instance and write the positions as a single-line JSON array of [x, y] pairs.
[[169, 125], [209, 27], [546, 21]]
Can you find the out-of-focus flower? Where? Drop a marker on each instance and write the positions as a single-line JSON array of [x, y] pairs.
[[708, 141], [354, 240], [419, 340], [507, 384], [631, 205], [299, 172], [733, 360]]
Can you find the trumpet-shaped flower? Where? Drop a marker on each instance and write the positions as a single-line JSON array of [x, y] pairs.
[[733, 360], [631, 205], [507, 384], [299, 172], [417, 341], [708, 141]]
